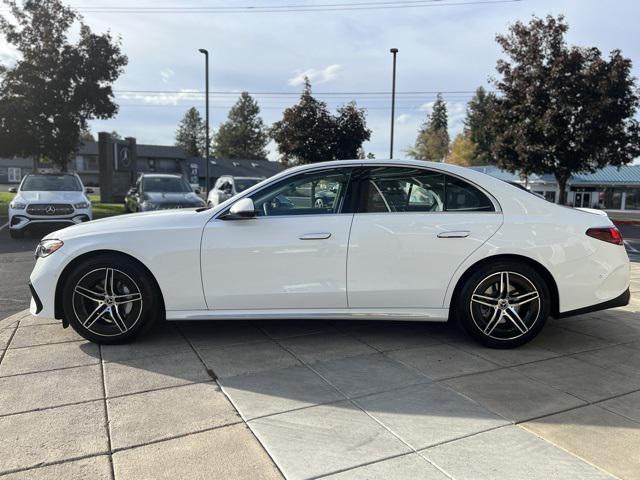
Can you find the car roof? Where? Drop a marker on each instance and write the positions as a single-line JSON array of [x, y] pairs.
[[161, 175]]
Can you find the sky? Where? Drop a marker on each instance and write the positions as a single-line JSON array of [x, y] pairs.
[[447, 46]]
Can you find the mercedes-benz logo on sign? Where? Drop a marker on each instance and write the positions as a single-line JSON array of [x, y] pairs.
[[124, 157], [50, 210]]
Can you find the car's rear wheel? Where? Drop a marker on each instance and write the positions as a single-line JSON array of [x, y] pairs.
[[110, 299], [504, 305]]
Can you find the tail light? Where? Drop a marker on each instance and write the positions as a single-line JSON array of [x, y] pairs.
[[606, 234]]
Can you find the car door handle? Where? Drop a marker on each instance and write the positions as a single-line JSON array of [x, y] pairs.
[[456, 234], [315, 236]]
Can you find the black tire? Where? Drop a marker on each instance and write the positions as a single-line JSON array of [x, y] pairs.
[[129, 282], [16, 233], [507, 322], [126, 208]]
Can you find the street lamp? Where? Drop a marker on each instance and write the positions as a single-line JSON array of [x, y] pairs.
[[394, 51], [206, 147]]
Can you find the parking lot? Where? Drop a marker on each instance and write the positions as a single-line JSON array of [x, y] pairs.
[[316, 399]]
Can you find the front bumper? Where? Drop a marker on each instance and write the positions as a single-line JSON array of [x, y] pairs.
[[20, 220]]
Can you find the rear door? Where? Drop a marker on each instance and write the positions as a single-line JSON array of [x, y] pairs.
[[413, 227]]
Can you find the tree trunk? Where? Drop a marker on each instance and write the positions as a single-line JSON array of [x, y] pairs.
[[562, 185]]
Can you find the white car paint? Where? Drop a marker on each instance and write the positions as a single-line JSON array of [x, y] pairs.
[[372, 266]]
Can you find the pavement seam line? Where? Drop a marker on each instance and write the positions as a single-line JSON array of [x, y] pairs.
[[53, 463], [106, 414], [4, 352]]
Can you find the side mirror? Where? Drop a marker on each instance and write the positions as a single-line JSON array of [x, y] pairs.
[[88, 190], [13, 190], [197, 191], [243, 208]]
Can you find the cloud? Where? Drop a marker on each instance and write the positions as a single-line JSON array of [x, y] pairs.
[[403, 118], [165, 98], [166, 75], [316, 76]]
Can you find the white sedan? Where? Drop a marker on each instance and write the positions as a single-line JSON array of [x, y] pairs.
[[403, 240]]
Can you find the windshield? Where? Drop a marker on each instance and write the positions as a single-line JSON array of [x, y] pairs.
[[244, 183], [165, 185], [51, 183]]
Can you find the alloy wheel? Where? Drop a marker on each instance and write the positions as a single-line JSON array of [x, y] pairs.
[[107, 302], [505, 305]]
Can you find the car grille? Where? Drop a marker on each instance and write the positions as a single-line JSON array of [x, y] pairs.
[[172, 206], [50, 209]]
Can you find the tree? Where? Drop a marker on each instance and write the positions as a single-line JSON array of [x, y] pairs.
[[191, 133], [463, 151], [478, 126], [308, 133], [115, 135], [432, 142], [562, 109], [86, 135], [243, 135], [57, 85]]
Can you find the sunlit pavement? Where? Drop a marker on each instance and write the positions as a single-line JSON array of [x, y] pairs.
[[322, 399]]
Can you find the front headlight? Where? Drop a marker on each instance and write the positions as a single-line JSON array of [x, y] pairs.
[[81, 205], [17, 205], [47, 247], [148, 206]]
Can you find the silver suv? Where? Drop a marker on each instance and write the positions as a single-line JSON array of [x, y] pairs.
[[227, 186], [45, 198]]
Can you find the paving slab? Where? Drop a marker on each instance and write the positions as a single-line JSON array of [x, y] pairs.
[[5, 336], [584, 380], [622, 359], [509, 453], [626, 405], [165, 339], [293, 328], [506, 357], [162, 414], [425, 415], [43, 335], [389, 336], [366, 374], [94, 468], [605, 328], [513, 395], [602, 438], [244, 359], [148, 373], [565, 341], [324, 439], [322, 347], [224, 453], [442, 361], [277, 391], [49, 357], [52, 435], [212, 334], [12, 320], [411, 467], [30, 320], [33, 391]]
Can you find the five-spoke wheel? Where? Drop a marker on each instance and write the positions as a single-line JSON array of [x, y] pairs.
[[504, 305]]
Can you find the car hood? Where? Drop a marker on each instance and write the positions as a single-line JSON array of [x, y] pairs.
[[157, 197], [51, 197], [154, 220]]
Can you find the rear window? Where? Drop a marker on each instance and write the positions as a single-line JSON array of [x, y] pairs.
[[51, 183]]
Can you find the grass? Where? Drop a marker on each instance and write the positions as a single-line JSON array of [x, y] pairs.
[[100, 210]]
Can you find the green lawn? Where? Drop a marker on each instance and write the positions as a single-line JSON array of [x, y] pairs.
[[100, 210]]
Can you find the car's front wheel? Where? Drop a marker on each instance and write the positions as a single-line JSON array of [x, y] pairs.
[[110, 299], [504, 305]]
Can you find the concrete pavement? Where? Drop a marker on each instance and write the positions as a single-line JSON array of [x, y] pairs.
[[343, 400]]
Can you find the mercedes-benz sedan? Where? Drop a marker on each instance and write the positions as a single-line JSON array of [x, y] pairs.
[[405, 240]]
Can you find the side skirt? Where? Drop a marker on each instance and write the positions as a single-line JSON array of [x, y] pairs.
[[403, 314]]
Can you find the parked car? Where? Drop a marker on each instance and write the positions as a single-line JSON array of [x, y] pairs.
[[158, 191], [228, 186], [44, 198], [405, 240]]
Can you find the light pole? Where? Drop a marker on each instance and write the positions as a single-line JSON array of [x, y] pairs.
[[206, 147], [394, 51]]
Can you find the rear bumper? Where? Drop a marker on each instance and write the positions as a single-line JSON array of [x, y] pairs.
[[619, 301]]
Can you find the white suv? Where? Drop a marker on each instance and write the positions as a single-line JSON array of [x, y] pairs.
[[44, 198], [228, 186]]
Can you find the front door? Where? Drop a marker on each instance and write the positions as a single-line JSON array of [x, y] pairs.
[[292, 255], [412, 230]]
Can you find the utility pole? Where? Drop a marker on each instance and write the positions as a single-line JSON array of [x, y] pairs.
[[394, 51], [206, 147]]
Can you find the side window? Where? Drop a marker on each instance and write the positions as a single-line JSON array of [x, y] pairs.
[[396, 189], [305, 194]]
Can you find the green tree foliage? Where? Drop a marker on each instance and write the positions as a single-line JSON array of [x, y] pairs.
[[479, 126], [463, 151], [57, 85], [432, 142], [308, 133], [86, 135], [562, 109], [243, 135], [191, 133]]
